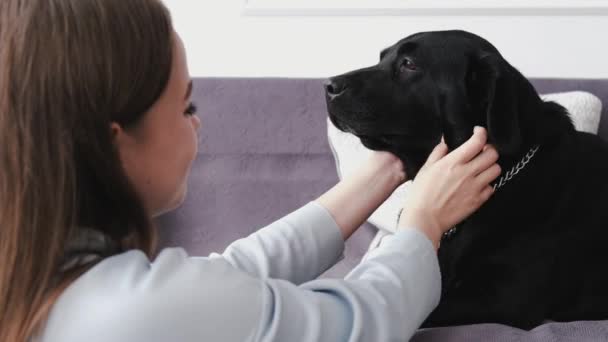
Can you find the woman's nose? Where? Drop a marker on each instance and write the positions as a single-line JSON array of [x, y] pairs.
[[197, 122]]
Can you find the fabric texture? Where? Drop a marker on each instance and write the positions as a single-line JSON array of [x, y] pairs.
[[262, 288]]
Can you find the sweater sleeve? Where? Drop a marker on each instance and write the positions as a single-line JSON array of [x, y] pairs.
[[384, 298], [181, 298], [297, 248]]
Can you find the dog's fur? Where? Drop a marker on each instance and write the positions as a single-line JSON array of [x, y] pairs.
[[537, 249]]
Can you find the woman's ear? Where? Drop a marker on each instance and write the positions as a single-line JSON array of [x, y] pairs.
[[115, 130], [122, 140], [120, 136]]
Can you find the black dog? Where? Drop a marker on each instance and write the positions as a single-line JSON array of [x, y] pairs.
[[537, 249]]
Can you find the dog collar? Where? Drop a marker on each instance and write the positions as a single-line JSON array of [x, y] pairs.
[[515, 169], [505, 178]]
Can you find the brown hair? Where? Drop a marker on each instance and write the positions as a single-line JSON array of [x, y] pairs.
[[68, 68]]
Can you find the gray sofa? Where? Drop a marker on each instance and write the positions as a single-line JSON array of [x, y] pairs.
[[263, 152]]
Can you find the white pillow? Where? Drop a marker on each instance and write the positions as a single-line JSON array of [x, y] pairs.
[[585, 110]]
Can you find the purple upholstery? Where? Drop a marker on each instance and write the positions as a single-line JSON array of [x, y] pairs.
[[263, 153]]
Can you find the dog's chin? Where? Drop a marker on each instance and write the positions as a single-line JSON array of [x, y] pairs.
[[376, 144], [413, 157], [411, 164], [341, 124], [412, 154], [336, 122]]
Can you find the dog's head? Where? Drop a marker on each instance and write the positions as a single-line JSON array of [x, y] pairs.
[[428, 85]]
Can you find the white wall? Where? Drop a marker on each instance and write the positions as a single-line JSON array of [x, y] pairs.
[[222, 42]]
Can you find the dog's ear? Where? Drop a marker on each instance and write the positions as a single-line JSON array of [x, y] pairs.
[[492, 92], [456, 119]]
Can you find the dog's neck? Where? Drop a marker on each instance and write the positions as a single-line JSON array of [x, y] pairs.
[[505, 177]]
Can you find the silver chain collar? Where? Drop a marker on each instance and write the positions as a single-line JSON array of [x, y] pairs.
[[515, 169], [505, 178]]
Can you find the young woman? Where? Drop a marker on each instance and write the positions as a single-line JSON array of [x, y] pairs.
[[97, 135]]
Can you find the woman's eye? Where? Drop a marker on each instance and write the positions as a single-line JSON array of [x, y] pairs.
[[191, 110], [407, 65]]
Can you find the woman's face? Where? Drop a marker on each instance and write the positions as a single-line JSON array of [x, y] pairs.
[[157, 153]]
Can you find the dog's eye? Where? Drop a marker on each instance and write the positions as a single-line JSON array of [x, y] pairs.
[[407, 65]]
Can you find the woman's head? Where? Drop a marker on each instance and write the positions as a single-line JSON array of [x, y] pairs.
[[92, 134], [157, 151]]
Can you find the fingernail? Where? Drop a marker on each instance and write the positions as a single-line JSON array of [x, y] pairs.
[[476, 129]]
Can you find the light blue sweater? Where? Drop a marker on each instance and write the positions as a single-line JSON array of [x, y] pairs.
[[262, 288]]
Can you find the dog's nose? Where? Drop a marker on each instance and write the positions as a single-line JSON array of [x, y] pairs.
[[334, 87]]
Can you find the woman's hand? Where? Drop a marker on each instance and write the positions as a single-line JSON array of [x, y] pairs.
[[358, 195], [386, 163], [448, 188]]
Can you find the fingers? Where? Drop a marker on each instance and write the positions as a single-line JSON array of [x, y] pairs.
[[438, 152], [484, 160], [486, 193], [465, 152], [489, 175]]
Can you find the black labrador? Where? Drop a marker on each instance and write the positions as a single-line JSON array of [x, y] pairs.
[[537, 250]]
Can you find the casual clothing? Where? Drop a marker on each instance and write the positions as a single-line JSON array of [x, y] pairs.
[[262, 288]]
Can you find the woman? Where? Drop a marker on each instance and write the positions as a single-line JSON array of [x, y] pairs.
[[97, 136]]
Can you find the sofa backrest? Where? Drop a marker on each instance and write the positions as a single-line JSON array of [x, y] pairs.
[[263, 152]]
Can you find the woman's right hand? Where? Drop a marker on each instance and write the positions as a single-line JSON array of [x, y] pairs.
[[450, 187]]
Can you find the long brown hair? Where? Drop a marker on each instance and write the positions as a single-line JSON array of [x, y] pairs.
[[68, 68]]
